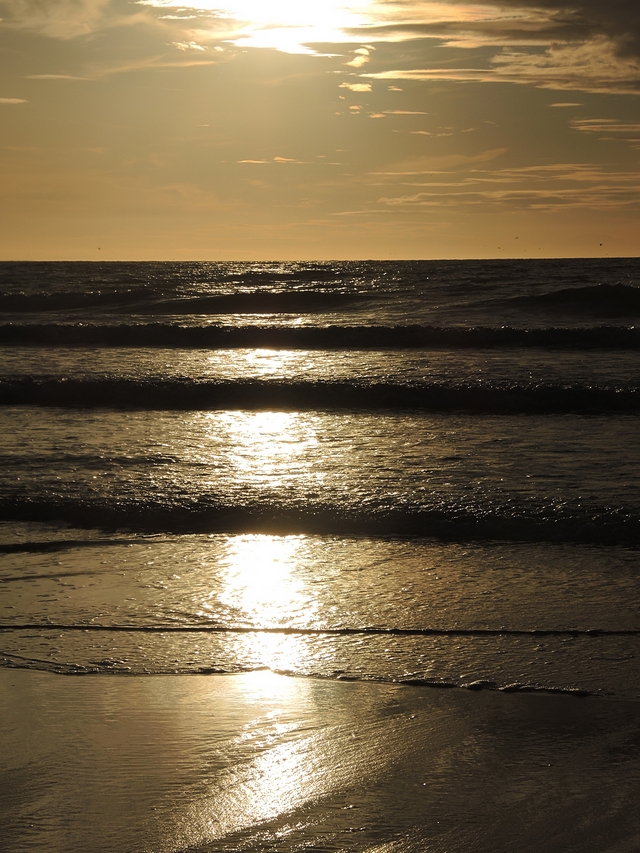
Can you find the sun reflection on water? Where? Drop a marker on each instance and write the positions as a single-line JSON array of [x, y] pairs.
[[269, 449], [267, 363], [260, 577], [262, 584]]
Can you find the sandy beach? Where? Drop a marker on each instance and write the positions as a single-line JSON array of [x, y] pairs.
[[264, 762]]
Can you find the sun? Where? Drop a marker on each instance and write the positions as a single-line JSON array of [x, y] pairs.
[[285, 25]]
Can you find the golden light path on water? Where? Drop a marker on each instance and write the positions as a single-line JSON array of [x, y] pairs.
[[261, 580], [269, 448]]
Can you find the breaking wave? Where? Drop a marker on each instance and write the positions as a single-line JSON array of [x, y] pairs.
[[317, 337], [258, 394], [522, 521]]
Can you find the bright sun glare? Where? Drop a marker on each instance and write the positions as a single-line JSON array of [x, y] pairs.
[[285, 25], [261, 580]]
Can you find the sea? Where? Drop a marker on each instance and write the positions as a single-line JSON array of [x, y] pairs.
[[420, 472]]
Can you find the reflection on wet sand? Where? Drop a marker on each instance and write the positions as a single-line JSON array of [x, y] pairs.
[[262, 762]]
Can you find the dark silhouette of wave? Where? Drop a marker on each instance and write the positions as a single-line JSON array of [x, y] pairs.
[[309, 396], [53, 546], [144, 301], [168, 335], [603, 299], [448, 522]]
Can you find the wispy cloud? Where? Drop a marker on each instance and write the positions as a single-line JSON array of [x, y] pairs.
[[53, 77], [13, 101], [592, 67], [63, 19], [583, 45], [610, 125], [547, 187], [285, 160], [603, 197], [610, 129]]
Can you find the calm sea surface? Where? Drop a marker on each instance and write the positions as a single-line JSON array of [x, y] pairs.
[[425, 472]]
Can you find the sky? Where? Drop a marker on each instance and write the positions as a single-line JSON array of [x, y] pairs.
[[255, 129]]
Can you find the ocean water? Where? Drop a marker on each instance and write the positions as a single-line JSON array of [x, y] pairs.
[[419, 472]]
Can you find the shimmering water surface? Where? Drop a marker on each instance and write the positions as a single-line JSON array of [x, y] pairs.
[[384, 471]]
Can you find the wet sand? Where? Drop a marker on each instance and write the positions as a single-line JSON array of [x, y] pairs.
[[263, 762]]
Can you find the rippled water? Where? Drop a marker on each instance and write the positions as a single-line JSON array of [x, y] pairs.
[[422, 472]]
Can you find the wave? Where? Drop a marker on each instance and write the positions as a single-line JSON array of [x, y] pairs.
[[168, 335], [114, 666], [53, 546], [70, 300], [145, 301], [581, 523], [606, 299], [258, 394]]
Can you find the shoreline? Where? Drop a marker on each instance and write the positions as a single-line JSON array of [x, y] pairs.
[[478, 686]]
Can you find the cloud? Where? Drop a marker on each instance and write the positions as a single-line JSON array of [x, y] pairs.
[[590, 67], [13, 101], [587, 45], [597, 125], [610, 129], [188, 45], [578, 20], [63, 19], [53, 77], [510, 21], [603, 198], [356, 87], [362, 56], [428, 165], [547, 187]]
